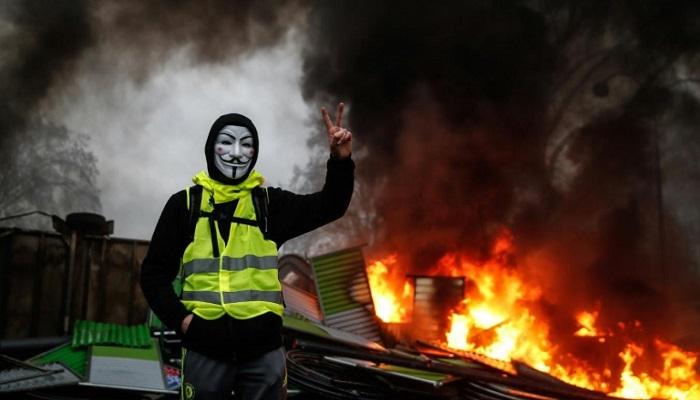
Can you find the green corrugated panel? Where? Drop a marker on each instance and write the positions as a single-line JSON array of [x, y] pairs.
[[86, 333], [333, 274], [73, 358], [344, 293], [300, 325]]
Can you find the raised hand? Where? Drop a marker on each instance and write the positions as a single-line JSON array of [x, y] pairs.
[[339, 138]]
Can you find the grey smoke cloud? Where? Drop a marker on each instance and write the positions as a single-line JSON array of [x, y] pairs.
[[149, 138], [144, 80]]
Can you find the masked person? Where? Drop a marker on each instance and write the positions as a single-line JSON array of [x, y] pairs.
[[221, 236]]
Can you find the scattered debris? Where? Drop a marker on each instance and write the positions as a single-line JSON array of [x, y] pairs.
[[334, 343]]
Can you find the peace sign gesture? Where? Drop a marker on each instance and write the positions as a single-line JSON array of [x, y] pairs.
[[339, 138]]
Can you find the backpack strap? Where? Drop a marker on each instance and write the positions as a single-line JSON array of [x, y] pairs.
[[193, 197], [194, 202], [261, 203]]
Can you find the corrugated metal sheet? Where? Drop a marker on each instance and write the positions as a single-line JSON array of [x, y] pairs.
[[434, 297], [295, 270], [359, 321], [88, 333], [73, 358], [302, 303], [344, 293]]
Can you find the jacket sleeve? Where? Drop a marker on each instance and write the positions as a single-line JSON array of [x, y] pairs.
[[293, 214], [162, 262]]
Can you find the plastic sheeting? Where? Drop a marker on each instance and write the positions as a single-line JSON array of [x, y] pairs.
[[86, 333]]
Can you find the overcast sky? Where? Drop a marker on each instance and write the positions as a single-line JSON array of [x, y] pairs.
[[148, 137]]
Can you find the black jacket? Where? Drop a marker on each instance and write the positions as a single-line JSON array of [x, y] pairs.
[[290, 215]]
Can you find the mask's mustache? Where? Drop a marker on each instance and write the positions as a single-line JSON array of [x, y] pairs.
[[235, 161]]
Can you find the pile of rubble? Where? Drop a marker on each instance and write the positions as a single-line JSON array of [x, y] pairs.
[[335, 350]]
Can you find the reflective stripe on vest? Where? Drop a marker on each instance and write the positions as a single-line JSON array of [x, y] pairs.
[[243, 282], [234, 297], [229, 264]]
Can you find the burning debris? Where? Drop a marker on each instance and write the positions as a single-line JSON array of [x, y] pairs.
[[496, 340], [503, 316]]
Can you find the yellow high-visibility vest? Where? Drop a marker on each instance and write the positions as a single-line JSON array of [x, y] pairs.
[[243, 281]]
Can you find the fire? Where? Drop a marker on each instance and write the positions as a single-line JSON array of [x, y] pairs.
[[632, 386], [457, 336], [587, 321], [677, 379], [499, 318], [388, 305]]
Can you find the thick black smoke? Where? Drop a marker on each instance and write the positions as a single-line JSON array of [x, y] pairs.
[[544, 117], [464, 82], [145, 33], [42, 42], [43, 166]]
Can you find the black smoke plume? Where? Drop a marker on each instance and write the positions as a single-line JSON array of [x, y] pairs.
[[449, 102], [549, 118], [42, 43]]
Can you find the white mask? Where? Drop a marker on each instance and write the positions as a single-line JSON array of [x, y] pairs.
[[233, 151]]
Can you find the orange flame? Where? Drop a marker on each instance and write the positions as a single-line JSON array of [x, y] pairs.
[[677, 379], [388, 305], [499, 318], [587, 321]]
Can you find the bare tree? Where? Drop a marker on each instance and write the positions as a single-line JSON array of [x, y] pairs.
[[47, 169]]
